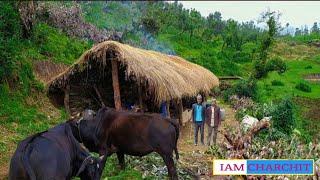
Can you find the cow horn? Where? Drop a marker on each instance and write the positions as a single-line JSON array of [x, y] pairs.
[[101, 158]]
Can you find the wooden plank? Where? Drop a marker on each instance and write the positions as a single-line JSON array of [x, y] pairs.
[[115, 84], [230, 77]]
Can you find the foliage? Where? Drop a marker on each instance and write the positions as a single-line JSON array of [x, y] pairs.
[[10, 32], [271, 18], [296, 72], [303, 86], [276, 64], [257, 110], [246, 88], [54, 44], [282, 116], [277, 83]]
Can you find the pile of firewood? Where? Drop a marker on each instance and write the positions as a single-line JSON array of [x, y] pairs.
[[237, 144], [244, 145]]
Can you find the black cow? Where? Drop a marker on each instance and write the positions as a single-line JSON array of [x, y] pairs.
[[53, 154], [131, 133]]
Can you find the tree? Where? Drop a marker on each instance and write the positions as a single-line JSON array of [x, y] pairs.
[[298, 32], [287, 27], [306, 30], [27, 11], [194, 23], [315, 28], [231, 36], [271, 18]]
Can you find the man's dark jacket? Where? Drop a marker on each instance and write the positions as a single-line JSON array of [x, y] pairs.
[[217, 116]]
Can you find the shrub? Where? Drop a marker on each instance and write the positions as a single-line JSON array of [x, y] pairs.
[[303, 86], [243, 88], [282, 116], [308, 67], [260, 70], [276, 64], [256, 110], [277, 83], [246, 88]]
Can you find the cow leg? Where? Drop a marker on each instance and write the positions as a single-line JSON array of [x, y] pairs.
[[120, 156], [170, 166]]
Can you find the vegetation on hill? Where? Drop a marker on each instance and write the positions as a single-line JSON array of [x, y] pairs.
[[273, 66]]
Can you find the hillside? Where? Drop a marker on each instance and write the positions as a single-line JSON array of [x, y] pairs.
[[225, 47]]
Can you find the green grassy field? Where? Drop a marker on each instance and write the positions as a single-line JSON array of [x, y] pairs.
[[295, 74]]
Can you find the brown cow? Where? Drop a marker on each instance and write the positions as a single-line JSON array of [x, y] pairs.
[[131, 133]]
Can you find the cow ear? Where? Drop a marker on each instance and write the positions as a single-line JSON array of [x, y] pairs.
[[83, 166]]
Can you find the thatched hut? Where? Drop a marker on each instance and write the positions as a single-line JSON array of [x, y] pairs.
[[114, 74]]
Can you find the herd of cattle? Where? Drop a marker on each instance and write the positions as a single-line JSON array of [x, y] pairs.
[[58, 154]]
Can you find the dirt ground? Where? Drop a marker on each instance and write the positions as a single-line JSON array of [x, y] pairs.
[[194, 157]]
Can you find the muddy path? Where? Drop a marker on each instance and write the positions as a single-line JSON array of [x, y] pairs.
[[194, 157]]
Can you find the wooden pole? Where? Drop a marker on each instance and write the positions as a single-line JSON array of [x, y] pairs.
[[115, 84], [66, 98]]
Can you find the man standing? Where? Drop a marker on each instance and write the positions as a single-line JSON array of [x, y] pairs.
[[213, 120], [198, 118]]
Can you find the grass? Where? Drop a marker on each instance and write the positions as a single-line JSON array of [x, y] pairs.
[[51, 43], [293, 76]]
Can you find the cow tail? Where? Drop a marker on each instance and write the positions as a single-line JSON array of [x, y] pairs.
[[26, 163], [176, 126], [175, 148]]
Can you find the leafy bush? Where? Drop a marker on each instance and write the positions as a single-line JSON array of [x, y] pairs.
[[277, 83], [260, 70], [57, 45], [246, 88], [282, 116], [9, 39], [276, 64], [257, 110], [303, 86], [308, 67], [243, 88]]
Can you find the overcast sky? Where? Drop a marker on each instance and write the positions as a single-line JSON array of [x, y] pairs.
[[297, 13]]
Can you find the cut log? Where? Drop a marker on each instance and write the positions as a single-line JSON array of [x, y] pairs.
[[115, 84]]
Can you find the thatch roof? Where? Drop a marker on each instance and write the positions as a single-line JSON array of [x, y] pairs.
[[168, 77]]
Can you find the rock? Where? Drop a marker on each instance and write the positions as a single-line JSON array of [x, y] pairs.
[[248, 122], [222, 113], [266, 118]]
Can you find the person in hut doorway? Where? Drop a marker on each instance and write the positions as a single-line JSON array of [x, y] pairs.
[[163, 109], [198, 118], [213, 120]]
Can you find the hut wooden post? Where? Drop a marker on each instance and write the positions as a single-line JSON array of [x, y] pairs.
[[115, 84], [66, 98], [180, 110]]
